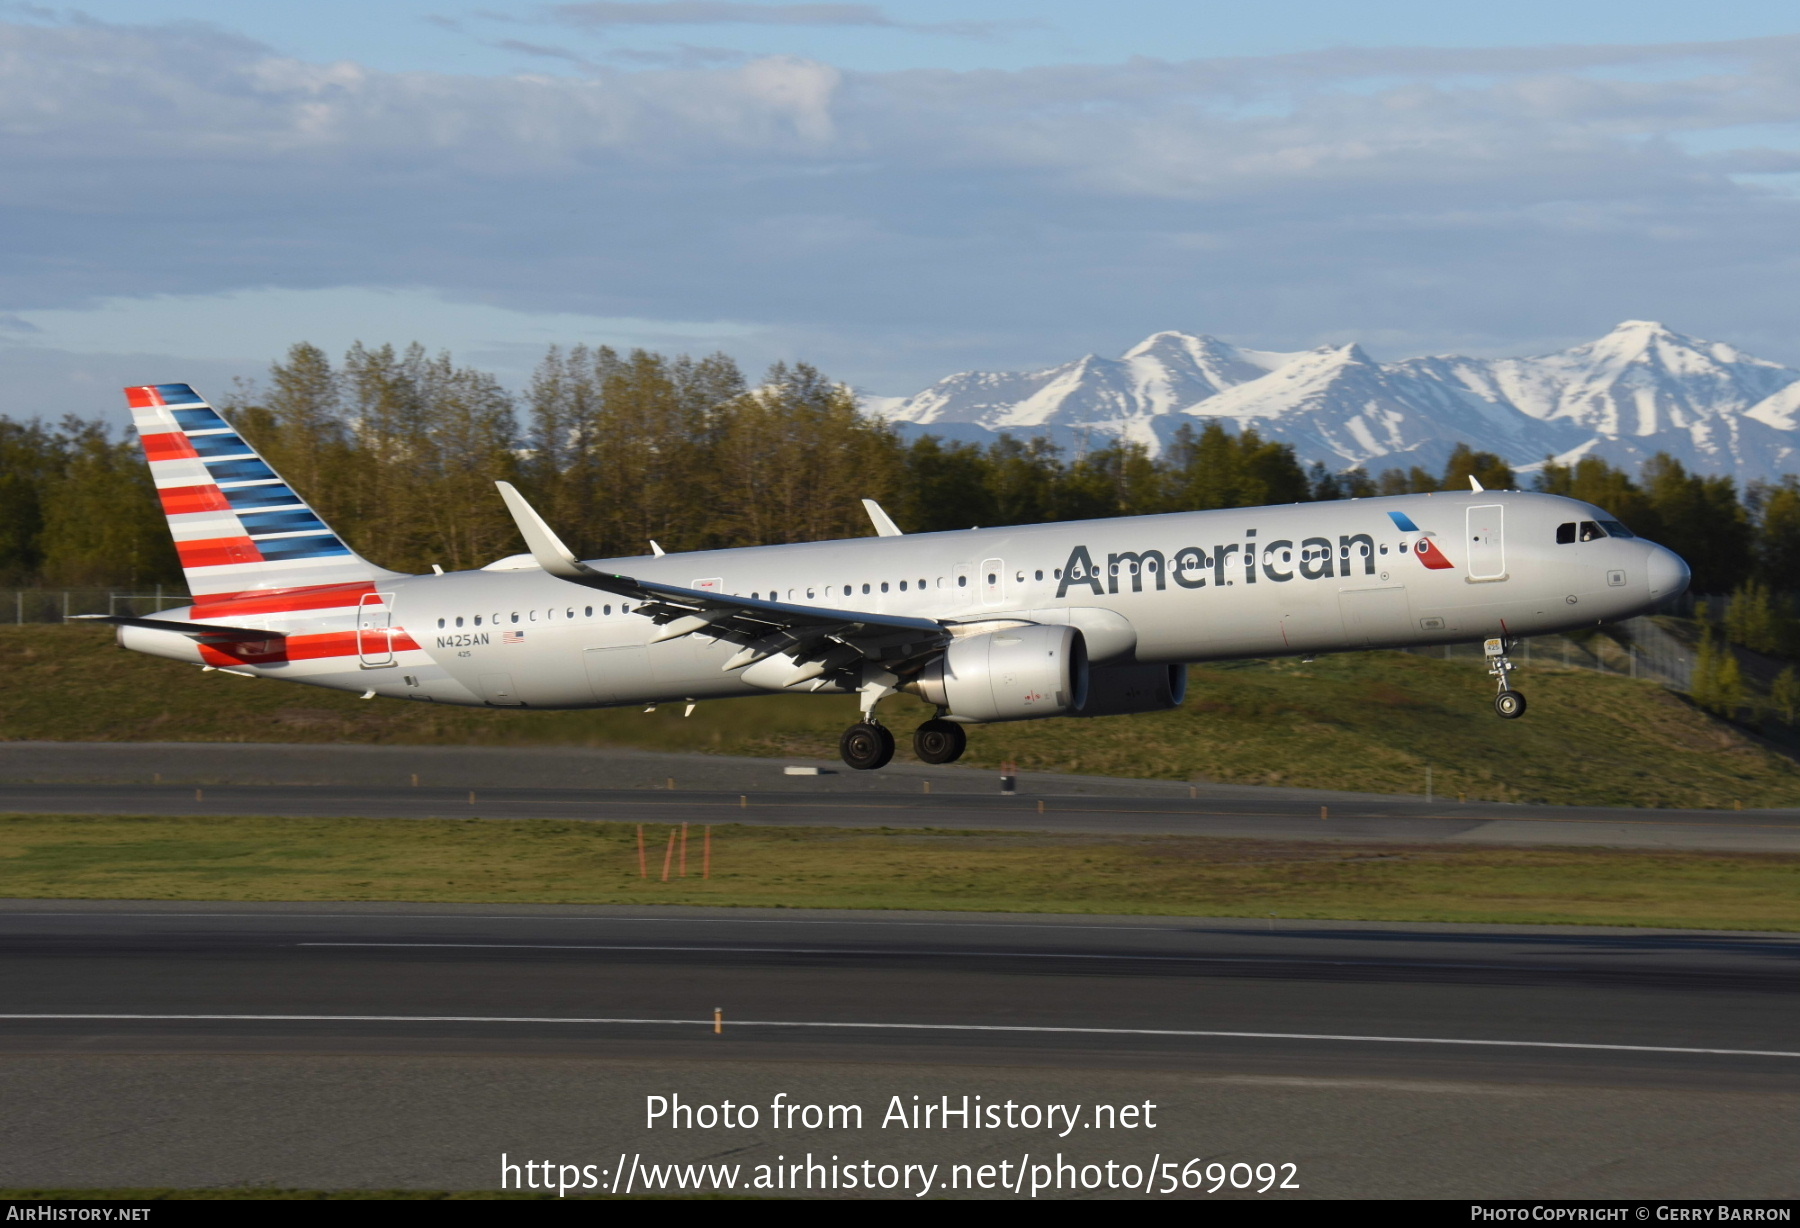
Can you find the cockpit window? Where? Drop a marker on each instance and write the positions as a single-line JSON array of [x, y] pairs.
[[1565, 534], [1615, 529], [1591, 532]]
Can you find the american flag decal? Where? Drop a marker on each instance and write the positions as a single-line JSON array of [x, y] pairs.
[[513, 637]]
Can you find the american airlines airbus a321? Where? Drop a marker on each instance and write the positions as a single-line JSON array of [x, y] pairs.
[[1088, 618]]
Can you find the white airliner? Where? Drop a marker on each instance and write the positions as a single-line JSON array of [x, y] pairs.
[[1086, 618]]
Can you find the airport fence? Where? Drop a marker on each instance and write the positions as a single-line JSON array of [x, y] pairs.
[[54, 605], [1634, 648]]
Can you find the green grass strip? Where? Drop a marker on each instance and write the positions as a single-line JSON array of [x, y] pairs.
[[563, 862]]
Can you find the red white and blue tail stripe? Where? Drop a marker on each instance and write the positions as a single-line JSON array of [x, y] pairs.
[[237, 526]]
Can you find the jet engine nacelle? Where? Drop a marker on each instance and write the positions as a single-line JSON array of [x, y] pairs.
[[1133, 688], [1016, 674]]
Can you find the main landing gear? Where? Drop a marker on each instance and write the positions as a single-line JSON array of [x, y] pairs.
[[1508, 704], [866, 746], [940, 741]]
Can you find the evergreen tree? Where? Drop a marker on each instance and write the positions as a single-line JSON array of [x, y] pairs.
[[1485, 467], [946, 486], [1784, 695], [1701, 519], [103, 524], [29, 457], [1778, 533], [1758, 620]]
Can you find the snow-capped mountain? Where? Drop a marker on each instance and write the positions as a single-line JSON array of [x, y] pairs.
[[1639, 390]]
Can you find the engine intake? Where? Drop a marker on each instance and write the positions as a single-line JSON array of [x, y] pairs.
[[1120, 689], [1018, 674]]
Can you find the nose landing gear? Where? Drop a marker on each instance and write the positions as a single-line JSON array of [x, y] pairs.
[[1508, 704]]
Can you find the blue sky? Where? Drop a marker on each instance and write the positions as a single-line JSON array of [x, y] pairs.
[[893, 191]]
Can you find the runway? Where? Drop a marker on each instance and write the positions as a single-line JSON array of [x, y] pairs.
[[641, 786], [370, 1045]]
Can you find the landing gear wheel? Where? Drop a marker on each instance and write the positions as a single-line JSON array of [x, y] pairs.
[[866, 747], [1510, 704], [940, 741]]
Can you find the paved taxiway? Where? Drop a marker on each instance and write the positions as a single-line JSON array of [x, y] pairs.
[[370, 1045], [635, 786]]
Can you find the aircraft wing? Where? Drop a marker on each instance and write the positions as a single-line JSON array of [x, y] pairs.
[[819, 640], [206, 633]]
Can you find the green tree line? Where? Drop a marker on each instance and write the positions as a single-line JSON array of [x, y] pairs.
[[398, 449]]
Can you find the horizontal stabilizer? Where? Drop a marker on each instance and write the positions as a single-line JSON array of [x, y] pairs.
[[206, 633]]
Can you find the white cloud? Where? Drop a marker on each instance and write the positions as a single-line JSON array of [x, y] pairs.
[[718, 12], [896, 225]]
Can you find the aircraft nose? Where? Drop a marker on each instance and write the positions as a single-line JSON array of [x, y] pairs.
[[1668, 573]]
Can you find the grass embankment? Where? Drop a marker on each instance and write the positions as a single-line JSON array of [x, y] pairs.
[[558, 862], [1361, 721]]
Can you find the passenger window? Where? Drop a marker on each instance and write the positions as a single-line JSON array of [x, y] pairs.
[[1384, 547], [590, 611], [962, 582], [515, 616], [1057, 572], [607, 610], [1038, 574], [478, 620], [459, 620], [1591, 531], [921, 583], [884, 586], [440, 624], [1402, 547], [994, 579], [571, 612], [1565, 533], [865, 588]]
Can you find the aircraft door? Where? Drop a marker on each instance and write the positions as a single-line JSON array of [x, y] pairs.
[[963, 582], [374, 630], [993, 581], [1486, 539]]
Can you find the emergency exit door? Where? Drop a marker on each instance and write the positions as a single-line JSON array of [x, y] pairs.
[[1486, 542], [374, 631]]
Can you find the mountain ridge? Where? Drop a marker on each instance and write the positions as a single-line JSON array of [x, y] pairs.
[[1640, 389]]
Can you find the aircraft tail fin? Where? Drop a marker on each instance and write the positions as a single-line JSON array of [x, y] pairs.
[[237, 526]]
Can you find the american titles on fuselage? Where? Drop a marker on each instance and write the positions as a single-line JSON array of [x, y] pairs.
[[1277, 561]]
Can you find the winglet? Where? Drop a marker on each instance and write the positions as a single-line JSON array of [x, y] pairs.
[[1474, 485], [884, 523], [545, 546]]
